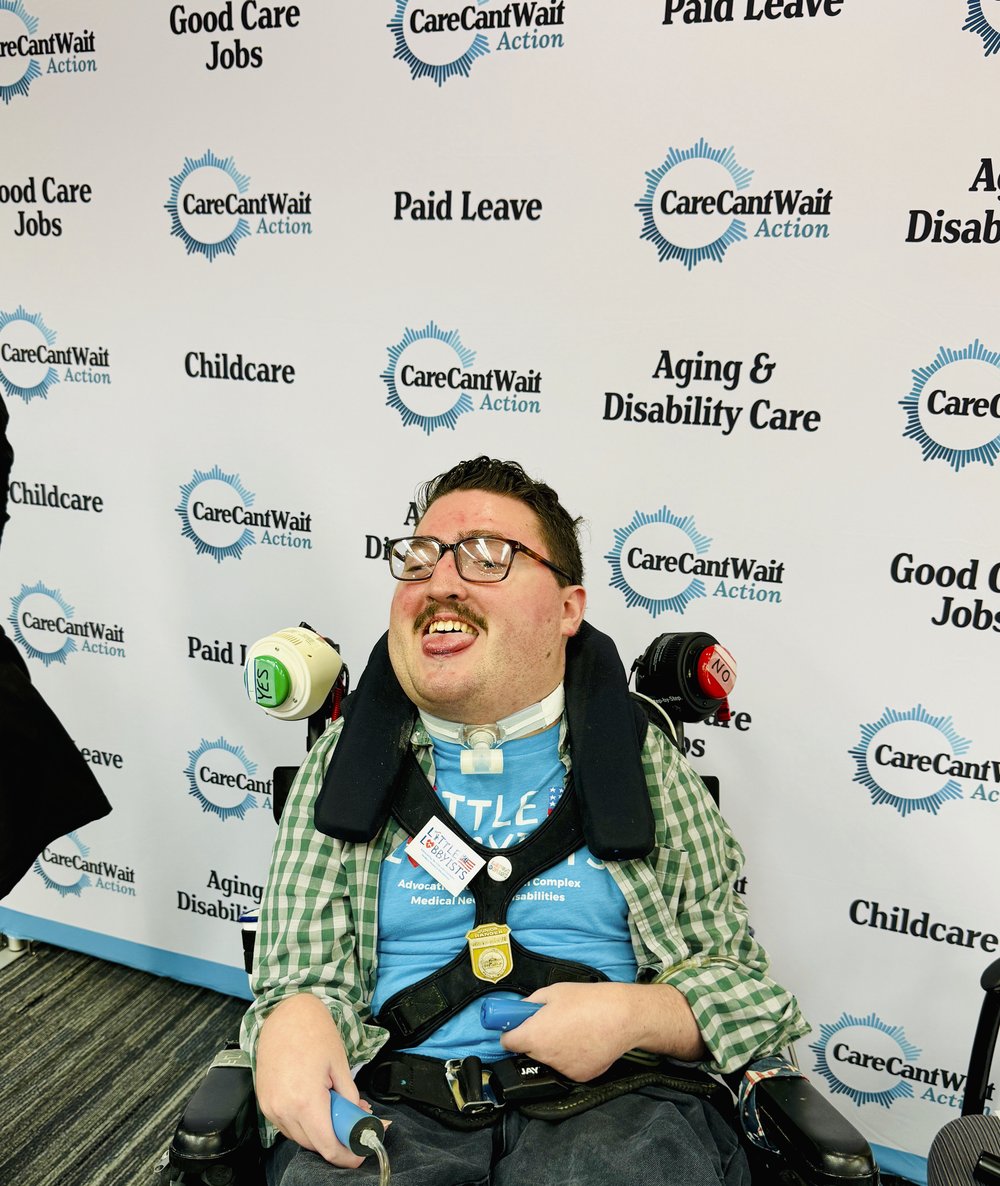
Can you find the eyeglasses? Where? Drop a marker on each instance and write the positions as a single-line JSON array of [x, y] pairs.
[[481, 559]]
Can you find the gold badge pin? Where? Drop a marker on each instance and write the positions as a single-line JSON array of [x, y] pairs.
[[490, 952]]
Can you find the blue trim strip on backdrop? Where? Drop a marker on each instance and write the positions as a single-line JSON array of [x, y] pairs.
[[219, 977], [904, 1165]]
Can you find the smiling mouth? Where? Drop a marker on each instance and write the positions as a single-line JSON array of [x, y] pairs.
[[444, 634], [443, 619], [451, 626]]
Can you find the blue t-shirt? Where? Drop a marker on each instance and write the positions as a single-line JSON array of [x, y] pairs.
[[573, 911]]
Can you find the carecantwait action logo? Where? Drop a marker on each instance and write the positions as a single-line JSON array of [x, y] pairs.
[[661, 563], [217, 516], [210, 207], [30, 361], [953, 408], [221, 779], [915, 761], [698, 203], [444, 39], [67, 867], [976, 22], [871, 1061], [431, 381], [23, 50], [867, 1060], [44, 624]]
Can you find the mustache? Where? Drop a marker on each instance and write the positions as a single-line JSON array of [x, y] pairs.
[[460, 613]]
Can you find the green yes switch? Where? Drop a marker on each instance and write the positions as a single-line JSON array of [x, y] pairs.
[[272, 683]]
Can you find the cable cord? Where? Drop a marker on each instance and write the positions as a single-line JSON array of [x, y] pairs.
[[676, 735], [369, 1139]]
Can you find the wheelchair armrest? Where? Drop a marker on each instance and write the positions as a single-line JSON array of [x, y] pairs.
[[820, 1144], [219, 1125]]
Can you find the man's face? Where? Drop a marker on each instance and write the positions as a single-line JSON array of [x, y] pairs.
[[507, 647]]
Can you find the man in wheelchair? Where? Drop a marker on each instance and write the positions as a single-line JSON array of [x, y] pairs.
[[492, 816]]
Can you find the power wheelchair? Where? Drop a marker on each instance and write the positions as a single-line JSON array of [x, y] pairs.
[[681, 677]]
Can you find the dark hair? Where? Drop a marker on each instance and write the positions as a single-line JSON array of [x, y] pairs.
[[559, 528]]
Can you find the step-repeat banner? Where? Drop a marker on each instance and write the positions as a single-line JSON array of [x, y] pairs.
[[722, 271]]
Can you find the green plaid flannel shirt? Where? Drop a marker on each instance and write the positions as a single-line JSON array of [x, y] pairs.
[[318, 927]]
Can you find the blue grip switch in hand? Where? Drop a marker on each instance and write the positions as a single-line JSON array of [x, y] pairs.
[[350, 1123], [499, 1013]]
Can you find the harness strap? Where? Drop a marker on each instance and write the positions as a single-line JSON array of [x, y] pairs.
[[413, 1013], [558, 835]]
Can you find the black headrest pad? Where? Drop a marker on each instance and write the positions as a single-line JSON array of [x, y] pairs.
[[368, 758], [606, 735]]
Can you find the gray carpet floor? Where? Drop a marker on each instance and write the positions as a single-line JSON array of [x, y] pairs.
[[96, 1064]]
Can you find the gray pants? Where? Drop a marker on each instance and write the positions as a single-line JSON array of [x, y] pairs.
[[656, 1137]]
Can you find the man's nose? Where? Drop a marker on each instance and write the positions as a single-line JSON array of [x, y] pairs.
[[445, 582]]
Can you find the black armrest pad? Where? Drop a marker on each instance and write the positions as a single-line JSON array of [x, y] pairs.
[[990, 979], [977, 1081], [219, 1120], [818, 1141]]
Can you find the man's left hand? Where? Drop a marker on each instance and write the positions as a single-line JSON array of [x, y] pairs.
[[585, 1027]]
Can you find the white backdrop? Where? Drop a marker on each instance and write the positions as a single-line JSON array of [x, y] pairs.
[[721, 271]]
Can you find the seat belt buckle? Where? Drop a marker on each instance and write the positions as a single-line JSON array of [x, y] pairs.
[[470, 1086], [520, 1080]]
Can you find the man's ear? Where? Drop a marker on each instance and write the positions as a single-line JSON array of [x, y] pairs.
[[574, 605]]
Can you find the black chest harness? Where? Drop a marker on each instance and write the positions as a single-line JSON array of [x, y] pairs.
[[415, 1012], [605, 805]]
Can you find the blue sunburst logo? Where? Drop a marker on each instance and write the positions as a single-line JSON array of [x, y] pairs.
[[191, 506], [32, 70], [219, 173], [392, 379], [82, 882], [890, 1036], [956, 457], [677, 602], [977, 23], [719, 244], [38, 387], [440, 72], [56, 609], [862, 754], [197, 779]]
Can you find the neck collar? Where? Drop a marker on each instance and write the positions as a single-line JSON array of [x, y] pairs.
[[482, 742]]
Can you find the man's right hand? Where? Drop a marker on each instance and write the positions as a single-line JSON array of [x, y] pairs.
[[300, 1059]]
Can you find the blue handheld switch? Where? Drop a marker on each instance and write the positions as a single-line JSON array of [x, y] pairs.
[[351, 1123], [499, 1013]]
